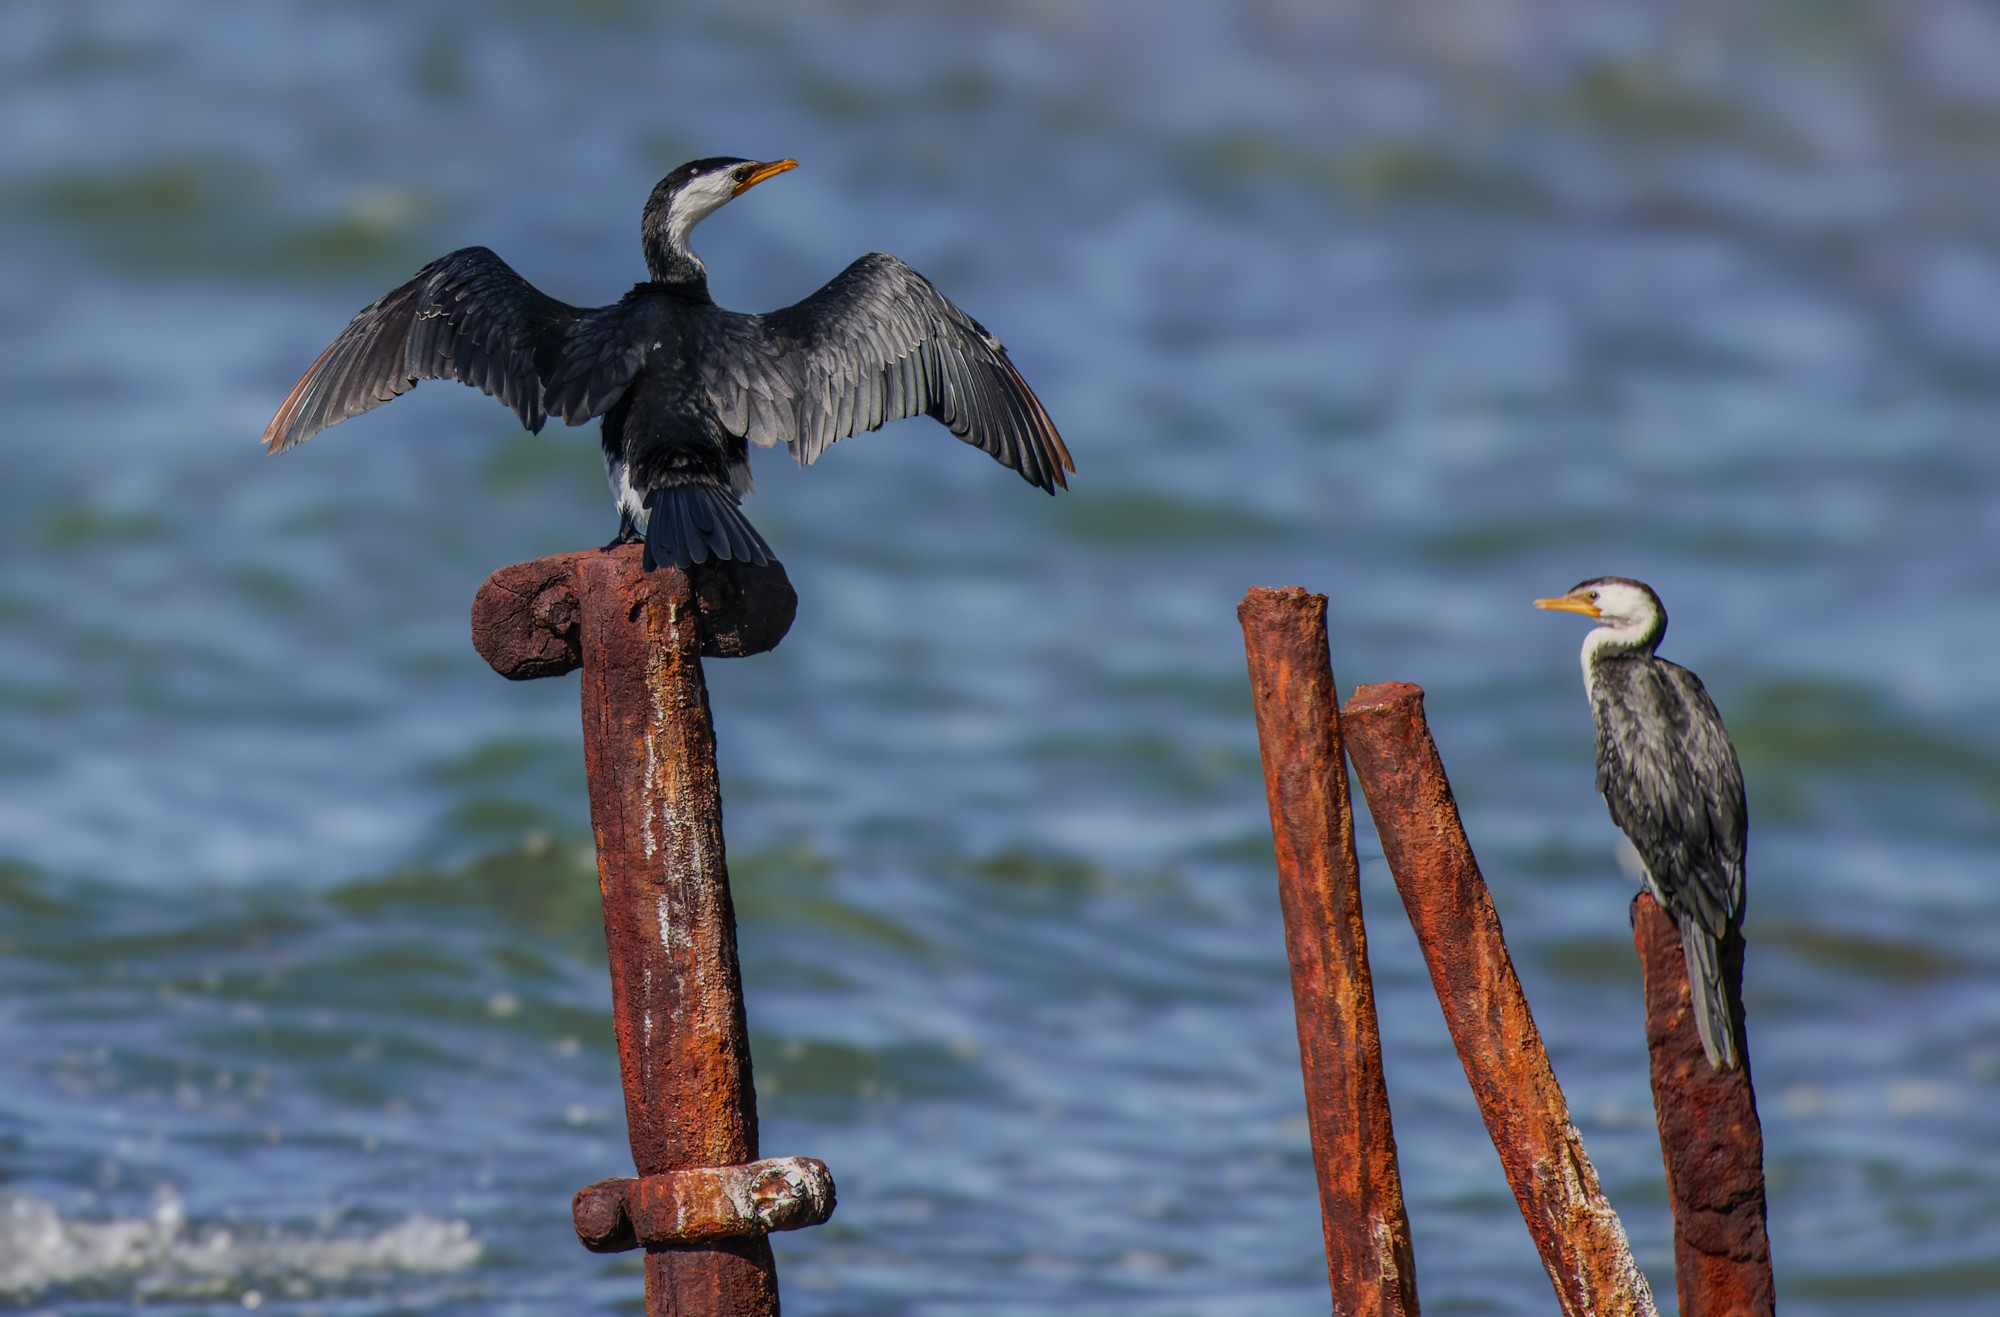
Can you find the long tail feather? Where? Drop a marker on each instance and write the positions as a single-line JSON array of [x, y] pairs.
[[687, 524], [1710, 999]]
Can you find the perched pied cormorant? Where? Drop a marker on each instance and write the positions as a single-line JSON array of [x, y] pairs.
[[1669, 773], [682, 384]]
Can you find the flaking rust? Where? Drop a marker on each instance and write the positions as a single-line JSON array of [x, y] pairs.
[[703, 1203], [702, 1200]]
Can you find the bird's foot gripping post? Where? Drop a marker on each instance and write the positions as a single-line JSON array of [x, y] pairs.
[[702, 1203]]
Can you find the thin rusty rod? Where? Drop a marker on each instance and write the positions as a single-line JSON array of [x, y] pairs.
[[1710, 1137], [1582, 1243], [676, 991], [1370, 1263]]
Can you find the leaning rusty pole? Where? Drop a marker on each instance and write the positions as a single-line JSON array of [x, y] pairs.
[[1710, 1138], [702, 1202], [1581, 1240]]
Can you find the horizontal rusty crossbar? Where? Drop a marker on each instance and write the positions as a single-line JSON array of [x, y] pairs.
[[702, 1203], [526, 619]]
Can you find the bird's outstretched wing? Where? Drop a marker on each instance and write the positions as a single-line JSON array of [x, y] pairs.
[[876, 344], [466, 316], [1671, 778]]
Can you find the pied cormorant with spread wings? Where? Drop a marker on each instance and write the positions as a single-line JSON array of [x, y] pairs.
[[683, 385], [1669, 774]]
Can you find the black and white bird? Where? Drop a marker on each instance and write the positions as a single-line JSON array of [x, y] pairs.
[[683, 385], [1668, 771]]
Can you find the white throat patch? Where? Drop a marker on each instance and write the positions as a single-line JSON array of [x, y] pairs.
[[696, 202]]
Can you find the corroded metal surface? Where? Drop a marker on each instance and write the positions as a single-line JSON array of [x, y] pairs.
[[706, 1202], [1581, 1241], [649, 749], [1710, 1136], [1370, 1263], [656, 812], [676, 993], [525, 617]]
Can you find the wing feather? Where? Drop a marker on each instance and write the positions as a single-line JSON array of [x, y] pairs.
[[878, 343], [599, 357], [467, 316], [1671, 778]]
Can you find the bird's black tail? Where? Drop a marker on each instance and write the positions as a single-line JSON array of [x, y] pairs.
[[1709, 998], [687, 524]]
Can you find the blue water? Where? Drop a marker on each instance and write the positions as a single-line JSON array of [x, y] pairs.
[[302, 1004]]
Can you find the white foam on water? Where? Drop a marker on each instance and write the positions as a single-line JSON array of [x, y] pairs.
[[163, 1255]]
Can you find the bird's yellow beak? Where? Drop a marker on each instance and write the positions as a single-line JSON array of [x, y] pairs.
[[1569, 605], [763, 172]]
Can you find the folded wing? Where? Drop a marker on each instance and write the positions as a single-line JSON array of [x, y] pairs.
[[1679, 797]]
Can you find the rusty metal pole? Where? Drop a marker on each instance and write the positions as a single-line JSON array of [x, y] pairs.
[[700, 1208], [1582, 1243], [1370, 1264], [1710, 1137], [676, 994]]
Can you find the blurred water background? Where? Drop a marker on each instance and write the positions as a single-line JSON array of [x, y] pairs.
[[1435, 308]]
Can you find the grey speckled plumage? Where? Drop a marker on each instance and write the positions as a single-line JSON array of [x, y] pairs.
[[683, 385], [1671, 779]]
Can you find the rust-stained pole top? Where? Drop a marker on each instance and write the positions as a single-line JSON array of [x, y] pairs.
[[524, 618]]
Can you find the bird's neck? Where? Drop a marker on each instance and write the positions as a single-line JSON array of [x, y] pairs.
[[1621, 641], [1634, 640], [671, 263], [663, 235]]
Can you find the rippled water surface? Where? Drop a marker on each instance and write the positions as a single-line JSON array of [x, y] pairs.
[[1434, 308]]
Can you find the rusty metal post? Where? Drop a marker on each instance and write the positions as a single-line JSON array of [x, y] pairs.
[[1370, 1263], [1710, 1137], [1582, 1243], [677, 997]]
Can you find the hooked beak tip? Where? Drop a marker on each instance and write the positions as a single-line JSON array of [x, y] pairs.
[[762, 172]]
